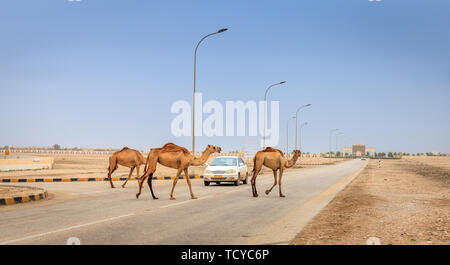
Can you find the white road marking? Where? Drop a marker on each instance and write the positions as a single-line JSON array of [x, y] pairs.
[[183, 202], [65, 229], [173, 204]]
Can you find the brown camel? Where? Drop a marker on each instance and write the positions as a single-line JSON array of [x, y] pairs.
[[177, 157], [128, 158], [275, 160]]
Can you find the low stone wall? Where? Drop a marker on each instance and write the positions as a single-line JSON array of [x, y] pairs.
[[26, 163]]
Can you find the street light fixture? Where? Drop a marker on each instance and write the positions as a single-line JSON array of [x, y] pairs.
[[193, 100], [265, 107], [296, 121], [287, 135], [331, 132], [300, 134]]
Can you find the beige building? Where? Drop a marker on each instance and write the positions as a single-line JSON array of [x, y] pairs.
[[358, 149]]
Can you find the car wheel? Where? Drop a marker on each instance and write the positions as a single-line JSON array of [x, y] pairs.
[[206, 183], [246, 178]]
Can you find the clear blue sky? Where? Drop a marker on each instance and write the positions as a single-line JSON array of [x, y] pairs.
[[105, 73]]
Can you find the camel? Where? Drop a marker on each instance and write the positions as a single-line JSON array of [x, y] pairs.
[[275, 160], [128, 158], [177, 157]]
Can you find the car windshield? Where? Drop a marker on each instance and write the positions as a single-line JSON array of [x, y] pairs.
[[224, 161]]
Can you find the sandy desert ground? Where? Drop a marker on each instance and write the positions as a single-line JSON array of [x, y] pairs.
[[13, 191], [402, 201], [70, 165]]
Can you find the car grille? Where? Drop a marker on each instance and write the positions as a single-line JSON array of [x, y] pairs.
[[218, 171]]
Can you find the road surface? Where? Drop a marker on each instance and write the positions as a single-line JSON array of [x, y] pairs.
[[94, 213]]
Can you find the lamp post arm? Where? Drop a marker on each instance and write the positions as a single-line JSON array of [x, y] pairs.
[[193, 98], [267, 90], [265, 107], [195, 54]]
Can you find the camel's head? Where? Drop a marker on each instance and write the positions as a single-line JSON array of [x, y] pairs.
[[213, 148], [297, 153]]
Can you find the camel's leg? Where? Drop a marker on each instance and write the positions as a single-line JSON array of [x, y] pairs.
[[175, 182], [137, 172], [112, 167], [189, 183], [279, 182], [149, 182], [253, 181], [140, 182], [152, 161], [274, 182], [129, 175]]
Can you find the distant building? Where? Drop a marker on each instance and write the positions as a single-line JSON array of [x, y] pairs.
[[251, 146], [358, 149]]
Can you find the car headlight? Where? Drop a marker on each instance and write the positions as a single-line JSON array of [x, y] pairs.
[[207, 171], [231, 171]]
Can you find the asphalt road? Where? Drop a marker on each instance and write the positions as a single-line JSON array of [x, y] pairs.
[[96, 214]]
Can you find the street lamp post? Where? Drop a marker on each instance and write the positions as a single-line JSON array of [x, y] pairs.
[[265, 107], [296, 122], [337, 140], [193, 100], [300, 134], [287, 135], [331, 132]]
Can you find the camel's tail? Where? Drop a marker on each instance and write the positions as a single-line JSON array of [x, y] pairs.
[[112, 163], [146, 163], [254, 163]]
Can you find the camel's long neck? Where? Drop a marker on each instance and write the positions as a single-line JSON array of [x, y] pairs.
[[198, 161], [292, 161]]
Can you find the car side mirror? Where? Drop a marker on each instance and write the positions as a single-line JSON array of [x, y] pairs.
[[206, 164], [240, 164]]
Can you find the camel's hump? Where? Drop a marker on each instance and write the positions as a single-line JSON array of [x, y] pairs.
[[270, 149], [171, 147], [121, 150]]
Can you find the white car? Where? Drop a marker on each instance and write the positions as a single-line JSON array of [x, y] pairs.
[[226, 169]]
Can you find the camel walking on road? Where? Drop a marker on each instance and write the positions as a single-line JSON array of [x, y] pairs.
[[128, 158], [275, 160], [177, 157]]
